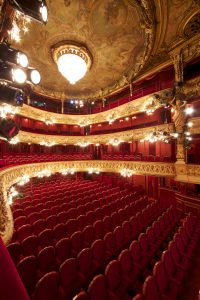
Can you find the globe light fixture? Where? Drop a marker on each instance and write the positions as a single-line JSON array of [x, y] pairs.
[[73, 60]]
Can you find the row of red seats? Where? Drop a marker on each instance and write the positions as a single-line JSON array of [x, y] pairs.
[[67, 192], [103, 249], [73, 207], [135, 157], [77, 273], [9, 159], [121, 276], [46, 185], [36, 236], [169, 273]]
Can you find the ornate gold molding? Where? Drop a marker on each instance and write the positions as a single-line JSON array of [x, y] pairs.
[[133, 107], [126, 136], [187, 173], [195, 129]]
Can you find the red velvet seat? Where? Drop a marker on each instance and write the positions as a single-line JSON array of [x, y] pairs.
[[60, 231], [99, 213], [99, 254], [81, 296], [47, 287], [72, 226], [108, 225], [29, 209], [77, 242], [62, 216], [18, 213], [72, 213], [147, 249], [86, 265], [134, 228], [139, 260], [119, 237], [15, 251], [99, 229], [127, 230], [110, 244], [129, 272], [181, 262], [33, 217], [89, 235], [20, 221], [46, 238], [39, 226], [51, 221], [115, 219], [167, 289], [27, 268], [184, 250], [154, 242], [82, 221], [71, 281], [91, 217], [116, 286], [47, 260], [24, 231], [63, 250], [174, 273], [150, 290], [30, 245], [97, 288]]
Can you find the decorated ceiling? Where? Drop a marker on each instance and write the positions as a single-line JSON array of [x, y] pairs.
[[127, 40]]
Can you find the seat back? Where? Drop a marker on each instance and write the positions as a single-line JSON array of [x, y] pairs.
[[97, 288], [47, 287], [150, 290]]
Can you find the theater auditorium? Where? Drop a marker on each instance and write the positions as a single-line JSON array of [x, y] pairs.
[[99, 149]]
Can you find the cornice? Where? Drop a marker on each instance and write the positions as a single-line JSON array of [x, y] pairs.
[[132, 107], [126, 136]]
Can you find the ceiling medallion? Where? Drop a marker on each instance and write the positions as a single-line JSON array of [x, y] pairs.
[[73, 60]]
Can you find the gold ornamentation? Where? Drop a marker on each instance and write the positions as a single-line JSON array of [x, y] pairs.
[[178, 66], [124, 110], [126, 136], [178, 116], [180, 152], [195, 129]]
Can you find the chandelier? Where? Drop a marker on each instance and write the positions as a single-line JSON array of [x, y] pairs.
[[159, 135], [73, 60]]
